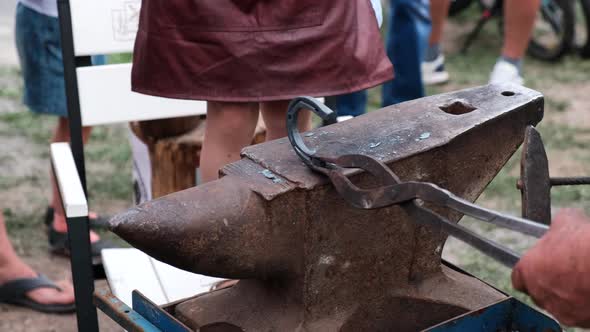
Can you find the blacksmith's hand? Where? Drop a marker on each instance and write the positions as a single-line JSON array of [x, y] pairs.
[[556, 271]]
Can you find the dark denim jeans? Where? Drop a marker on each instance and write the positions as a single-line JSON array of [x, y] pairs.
[[39, 49], [407, 38]]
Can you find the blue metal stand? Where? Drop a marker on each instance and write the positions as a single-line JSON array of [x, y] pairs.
[[506, 315], [145, 315]]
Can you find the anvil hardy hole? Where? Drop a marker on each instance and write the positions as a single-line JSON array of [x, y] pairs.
[[508, 93], [458, 107]]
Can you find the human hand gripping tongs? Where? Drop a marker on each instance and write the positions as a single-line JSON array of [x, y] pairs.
[[409, 195]]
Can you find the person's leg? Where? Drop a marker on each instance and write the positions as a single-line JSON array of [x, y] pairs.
[[519, 20], [62, 134], [230, 128], [12, 268], [439, 11], [274, 114], [433, 67], [355, 103], [409, 28], [352, 104]]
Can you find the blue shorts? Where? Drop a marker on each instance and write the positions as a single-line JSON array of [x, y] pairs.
[[39, 49]]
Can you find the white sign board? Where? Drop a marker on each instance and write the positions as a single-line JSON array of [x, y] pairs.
[[130, 269], [104, 26], [106, 98]]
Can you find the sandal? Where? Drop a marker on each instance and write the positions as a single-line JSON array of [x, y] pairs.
[[98, 222], [15, 292], [59, 245]]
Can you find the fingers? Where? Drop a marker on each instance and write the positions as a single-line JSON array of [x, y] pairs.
[[567, 314], [521, 282], [517, 279], [553, 272]]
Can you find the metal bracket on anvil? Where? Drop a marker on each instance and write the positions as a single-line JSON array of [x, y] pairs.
[[145, 316], [535, 183]]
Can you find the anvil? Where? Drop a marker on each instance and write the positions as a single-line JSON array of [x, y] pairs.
[[306, 259]]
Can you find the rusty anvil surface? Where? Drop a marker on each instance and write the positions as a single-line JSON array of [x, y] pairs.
[[311, 262]]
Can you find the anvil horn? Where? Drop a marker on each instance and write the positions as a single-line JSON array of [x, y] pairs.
[[219, 228]]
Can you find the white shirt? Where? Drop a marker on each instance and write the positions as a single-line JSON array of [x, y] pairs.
[[378, 11], [45, 7]]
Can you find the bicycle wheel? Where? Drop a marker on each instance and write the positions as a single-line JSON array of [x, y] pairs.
[[585, 46], [553, 33], [458, 6]]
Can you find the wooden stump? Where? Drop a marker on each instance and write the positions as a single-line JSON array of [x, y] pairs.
[[175, 158]]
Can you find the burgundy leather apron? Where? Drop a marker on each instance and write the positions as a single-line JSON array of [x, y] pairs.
[[257, 50]]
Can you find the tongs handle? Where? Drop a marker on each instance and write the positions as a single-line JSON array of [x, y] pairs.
[[499, 253], [306, 154], [434, 194]]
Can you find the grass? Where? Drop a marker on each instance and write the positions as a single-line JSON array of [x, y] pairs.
[[557, 104], [556, 136], [27, 124], [9, 93]]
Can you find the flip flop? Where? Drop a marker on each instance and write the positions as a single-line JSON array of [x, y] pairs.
[[99, 222], [59, 245], [15, 292]]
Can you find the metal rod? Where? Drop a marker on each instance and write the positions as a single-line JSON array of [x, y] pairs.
[[123, 315], [570, 181]]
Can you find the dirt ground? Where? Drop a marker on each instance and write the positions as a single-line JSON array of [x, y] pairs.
[[24, 164]]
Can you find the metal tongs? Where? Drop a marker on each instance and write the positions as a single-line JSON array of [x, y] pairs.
[[409, 195]]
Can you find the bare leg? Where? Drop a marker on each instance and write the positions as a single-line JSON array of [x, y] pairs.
[[230, 128], [439, 11], [12, 267], [519, 19], [274, 114], [62, 134], [433, 70]]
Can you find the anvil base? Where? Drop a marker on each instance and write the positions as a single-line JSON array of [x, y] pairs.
[[255, 306]]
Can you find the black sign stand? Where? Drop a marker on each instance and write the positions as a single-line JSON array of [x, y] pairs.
[[78, 227]]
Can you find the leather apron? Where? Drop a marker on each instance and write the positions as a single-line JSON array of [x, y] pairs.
[[257, 50]]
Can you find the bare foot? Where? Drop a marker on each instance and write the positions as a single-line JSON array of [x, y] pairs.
[[17, 269]]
